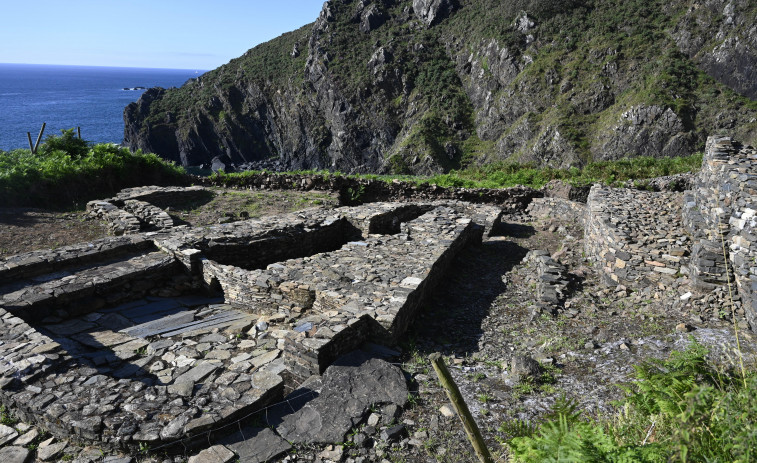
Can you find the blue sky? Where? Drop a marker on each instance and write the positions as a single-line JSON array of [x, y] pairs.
[[179, 34]]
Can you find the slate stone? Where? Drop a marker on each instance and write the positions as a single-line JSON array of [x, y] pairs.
[[198, 373], [50, 451], [14, 454], [7, 434], [167, 323], [256, 445], [394, 433], [350, 386], [214, 454]]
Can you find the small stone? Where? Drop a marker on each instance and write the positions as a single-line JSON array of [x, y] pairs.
[[392, 434], [215, 454], [684, 328], [447, 411], [686, 296]]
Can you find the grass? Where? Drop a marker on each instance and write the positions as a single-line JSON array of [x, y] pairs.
[[679, 409], [504, 175], [66, 172]]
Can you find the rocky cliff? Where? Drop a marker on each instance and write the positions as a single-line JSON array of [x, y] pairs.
[[421, 86]]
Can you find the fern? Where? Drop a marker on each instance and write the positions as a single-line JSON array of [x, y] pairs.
[[679, 409]]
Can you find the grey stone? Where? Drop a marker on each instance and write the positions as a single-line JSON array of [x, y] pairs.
[[393, 433], [14, 454], [7, 434], [350, 386], [50, 451], [256, 445], [214, 454]]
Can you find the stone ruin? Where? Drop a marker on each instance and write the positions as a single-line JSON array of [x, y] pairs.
[[168, 332], [705, 235]]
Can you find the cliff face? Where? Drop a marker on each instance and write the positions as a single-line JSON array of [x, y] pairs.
[[422, 86]]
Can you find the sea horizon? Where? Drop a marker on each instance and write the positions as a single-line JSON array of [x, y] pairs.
[[69, 96]]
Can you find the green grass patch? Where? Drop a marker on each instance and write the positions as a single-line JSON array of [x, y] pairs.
[[67, 172], [508, 174], [679, 409]]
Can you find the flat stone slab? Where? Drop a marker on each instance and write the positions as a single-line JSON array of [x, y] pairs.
[[350, 387], [14, 454], [214, 454], [256, 445], [7, 434]]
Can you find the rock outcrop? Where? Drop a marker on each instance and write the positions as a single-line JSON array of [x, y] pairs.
[[424, 86]]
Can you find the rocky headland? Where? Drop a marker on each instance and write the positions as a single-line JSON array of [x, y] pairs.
[[422, 86]]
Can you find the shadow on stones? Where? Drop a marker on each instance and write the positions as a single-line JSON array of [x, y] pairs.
[[451, 323], [87, 352], [516, 230]]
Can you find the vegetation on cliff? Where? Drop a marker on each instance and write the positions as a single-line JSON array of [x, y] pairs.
[[379, 87], [67, 172]]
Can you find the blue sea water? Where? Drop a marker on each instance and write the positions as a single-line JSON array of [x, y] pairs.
[[89, 97]]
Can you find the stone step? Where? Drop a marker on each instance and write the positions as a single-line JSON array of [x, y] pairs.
[[64, 287]]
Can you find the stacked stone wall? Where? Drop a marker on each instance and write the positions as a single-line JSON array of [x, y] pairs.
[[161, 196], [355, 190], [565, 209], [719, 212], [636, 237]]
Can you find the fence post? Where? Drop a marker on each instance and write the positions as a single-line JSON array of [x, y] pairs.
[[39, 137], [471, 429]]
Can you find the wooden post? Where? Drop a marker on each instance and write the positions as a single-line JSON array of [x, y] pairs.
[[471, 429], [78, 131], [31, 145], [39, 137]]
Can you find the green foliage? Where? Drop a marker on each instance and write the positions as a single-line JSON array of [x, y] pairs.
[[55, 178], [680, 409], [6, 417], [67, 142]]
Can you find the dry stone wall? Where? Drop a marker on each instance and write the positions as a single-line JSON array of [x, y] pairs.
[[356, 190], [636, 237], [719, 212]]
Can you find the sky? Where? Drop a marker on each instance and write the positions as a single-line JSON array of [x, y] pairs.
[[175, 34]]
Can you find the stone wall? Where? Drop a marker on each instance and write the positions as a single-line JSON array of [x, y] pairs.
[[636, 237], [355, 191], [720, 212], [161, 197], [543, 208]]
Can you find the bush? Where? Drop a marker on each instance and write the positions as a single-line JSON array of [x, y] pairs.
[[55, 178], [66, 142]]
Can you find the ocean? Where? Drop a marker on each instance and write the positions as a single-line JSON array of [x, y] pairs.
[[65, 97]]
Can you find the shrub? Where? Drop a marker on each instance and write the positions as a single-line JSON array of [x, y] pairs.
[[66, 142]]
